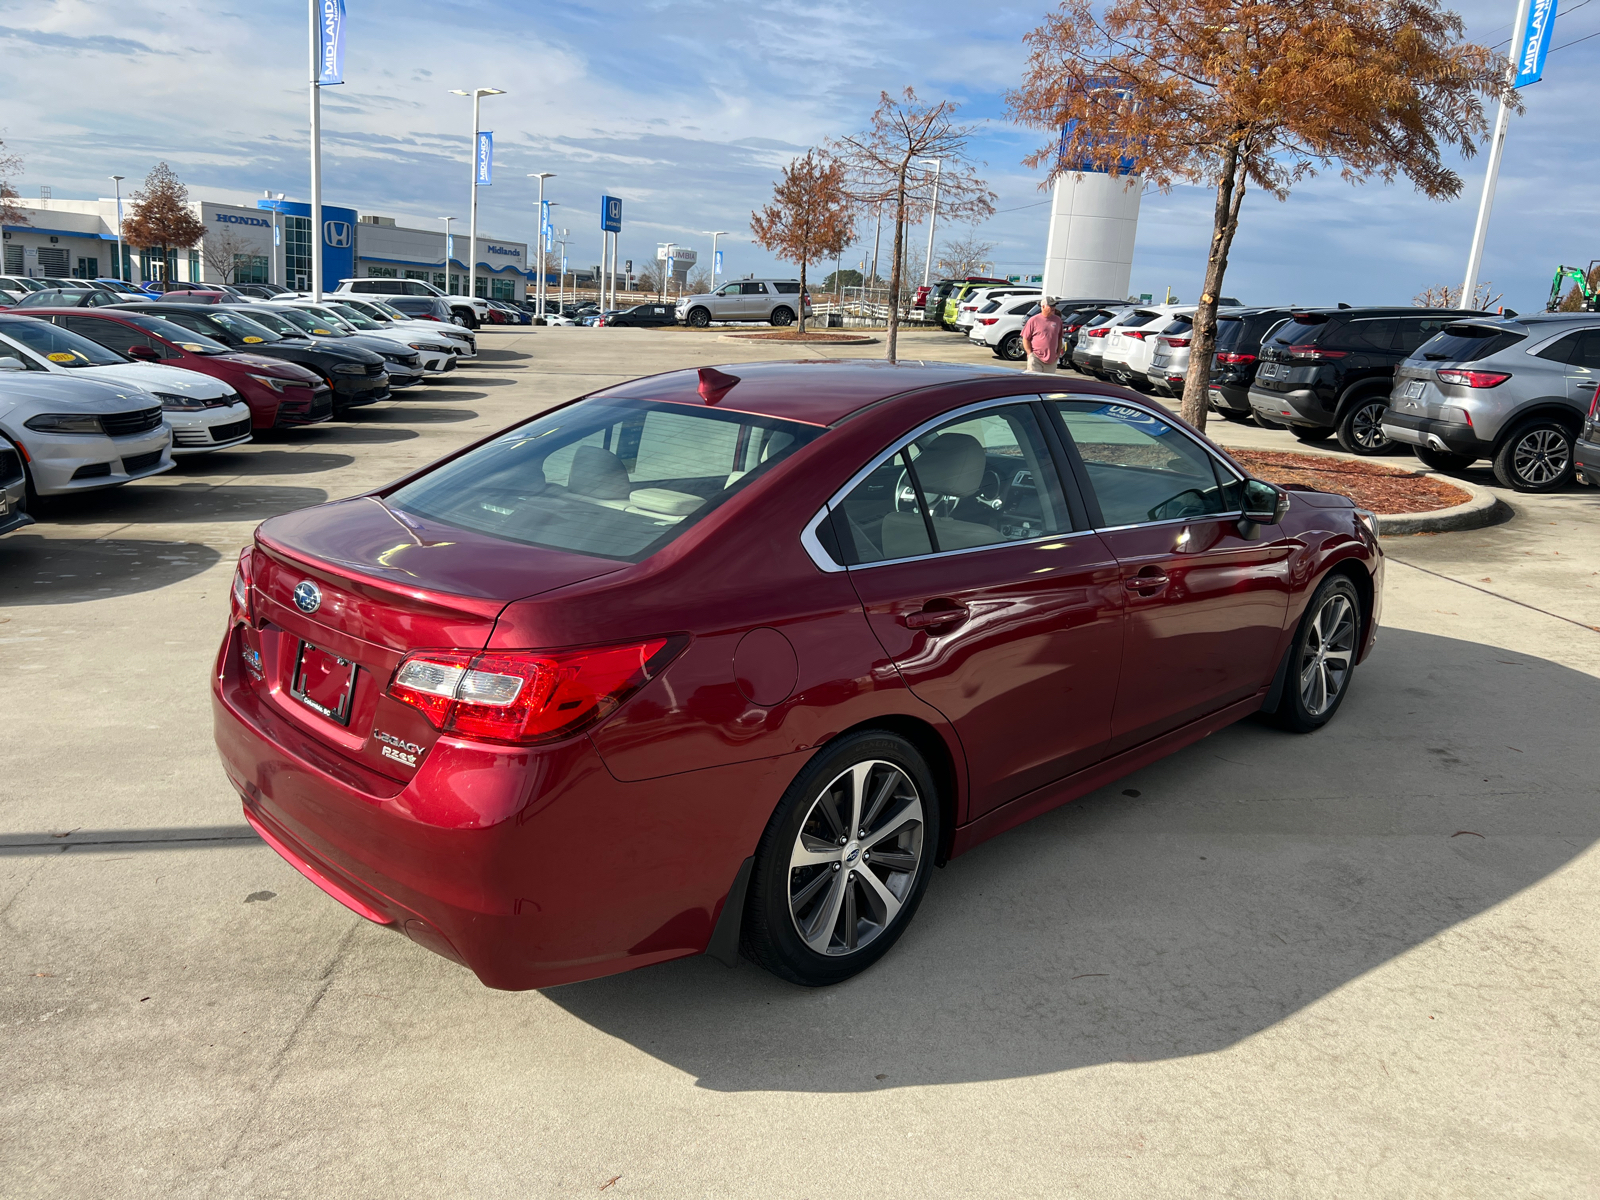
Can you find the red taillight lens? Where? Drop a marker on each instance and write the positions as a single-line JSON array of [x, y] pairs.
[[988, 320], [239, 600], [1473, 379], [1594, 405], [1137, 335], [1176, 343], [525, 696], [1312, 353], [1229, 358], [1098, 332]]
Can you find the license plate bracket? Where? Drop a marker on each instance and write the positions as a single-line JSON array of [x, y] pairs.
[[323, 682], [1414, 390]]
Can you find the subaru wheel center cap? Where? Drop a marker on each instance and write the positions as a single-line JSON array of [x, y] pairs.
[[307, 596], [851, 853]]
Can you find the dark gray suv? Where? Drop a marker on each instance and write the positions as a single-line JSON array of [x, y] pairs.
[[1514, 390]]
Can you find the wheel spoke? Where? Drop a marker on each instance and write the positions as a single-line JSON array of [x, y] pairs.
[[895, 860], [860, 775], [800, 899], [851, 922], [809, 852], [880, 797], [911, 810], [818, 931], [887, 903]]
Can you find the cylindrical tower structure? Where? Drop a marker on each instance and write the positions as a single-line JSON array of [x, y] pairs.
[[1093, 219]]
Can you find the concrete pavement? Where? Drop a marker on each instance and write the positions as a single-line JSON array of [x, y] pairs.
[[1359, 963]]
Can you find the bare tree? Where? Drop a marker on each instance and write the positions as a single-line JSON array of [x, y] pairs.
[[222, 250], [964, 256], [699, 280], [1445, 296], [885, 163], [11, 213]]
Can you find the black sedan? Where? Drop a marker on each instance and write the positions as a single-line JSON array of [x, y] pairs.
[[356, 376], [644, 316]]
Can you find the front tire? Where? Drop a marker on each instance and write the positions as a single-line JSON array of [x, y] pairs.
[[1537, 457], [1322, 657], [843, 862], [1360, 430], [782, 317]]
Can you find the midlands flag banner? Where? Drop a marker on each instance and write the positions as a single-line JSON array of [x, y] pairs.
[[1535, 42], [485, 158], [330, 42]]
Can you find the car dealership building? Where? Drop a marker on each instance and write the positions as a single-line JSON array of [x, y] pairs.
[[267, 243]]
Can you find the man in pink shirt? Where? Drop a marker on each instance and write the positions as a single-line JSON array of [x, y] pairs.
[[1042, 337]]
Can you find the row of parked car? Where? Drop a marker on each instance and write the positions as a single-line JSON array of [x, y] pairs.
[[94, 394], [1453, 386]]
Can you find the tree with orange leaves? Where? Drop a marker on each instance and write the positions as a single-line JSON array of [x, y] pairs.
[[810, 216], [1230, 93]]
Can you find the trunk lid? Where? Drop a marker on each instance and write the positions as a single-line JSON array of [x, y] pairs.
[[361, 586]]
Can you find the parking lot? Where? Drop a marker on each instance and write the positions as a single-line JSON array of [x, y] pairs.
[[1360, 963]]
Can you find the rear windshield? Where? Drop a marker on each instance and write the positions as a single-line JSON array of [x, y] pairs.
[[1467, 343], [612, 478], [1299, 330], [1230, 330], [1135, 319], [1179, 325]]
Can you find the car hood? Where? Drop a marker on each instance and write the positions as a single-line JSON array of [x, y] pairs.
[[153, 377], [33, 392]]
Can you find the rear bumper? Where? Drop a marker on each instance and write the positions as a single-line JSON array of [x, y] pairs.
[[1448, 436], [1235, 397], [487, 856], [1299, 407], [1586, 456]]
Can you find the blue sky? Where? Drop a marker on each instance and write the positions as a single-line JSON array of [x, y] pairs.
[[688, 109]]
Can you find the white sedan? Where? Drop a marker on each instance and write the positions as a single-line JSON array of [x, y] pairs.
[[204, 414], [78, 434]]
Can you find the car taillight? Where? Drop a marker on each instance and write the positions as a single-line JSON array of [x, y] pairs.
[[525, 696], [1473, 379], [1231, 359], [1176, 343], [988, 320], [1310, 352], [1594, 405], [239, 601], [1098, 332], [1137, 335]]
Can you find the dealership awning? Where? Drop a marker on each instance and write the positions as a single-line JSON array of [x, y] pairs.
[[83, 233]]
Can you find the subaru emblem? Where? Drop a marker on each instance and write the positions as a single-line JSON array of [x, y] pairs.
[[307, 596]]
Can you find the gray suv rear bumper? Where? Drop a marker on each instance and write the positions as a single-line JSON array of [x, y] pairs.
[[1432, 434]]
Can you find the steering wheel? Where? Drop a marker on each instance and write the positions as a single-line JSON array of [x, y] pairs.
[[988, 495]]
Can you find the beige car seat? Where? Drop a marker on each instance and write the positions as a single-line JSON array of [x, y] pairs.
[[953, 465]]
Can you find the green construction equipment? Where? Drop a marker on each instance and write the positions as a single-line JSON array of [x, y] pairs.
[[1580, 279]]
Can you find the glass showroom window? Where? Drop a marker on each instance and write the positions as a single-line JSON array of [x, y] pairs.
[[250, 268], [297, 253], [502, 289]]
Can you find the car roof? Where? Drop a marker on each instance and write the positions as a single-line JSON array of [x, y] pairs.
[[819, 392]]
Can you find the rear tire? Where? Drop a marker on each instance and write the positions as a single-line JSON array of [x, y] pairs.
[[819, 909], [1537, 457], [782, 317], [1359, 430], [1233, 414], [1011, 348], [1322, 657], [1443, 460]]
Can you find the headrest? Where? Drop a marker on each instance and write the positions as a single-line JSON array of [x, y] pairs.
[[598, 473], [952, 466]]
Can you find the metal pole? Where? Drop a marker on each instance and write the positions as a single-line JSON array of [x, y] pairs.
[[877, 237], [933, 220], [446, 255], [538, 291], [472, 224], [118, 272], [1480, 232], [316, 165]]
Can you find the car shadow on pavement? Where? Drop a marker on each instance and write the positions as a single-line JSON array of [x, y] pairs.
[[36, 569], [228, 464], [359, 435], [419, 414], [1183, 908], [183, 501]]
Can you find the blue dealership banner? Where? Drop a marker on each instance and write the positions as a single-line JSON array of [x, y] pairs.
[[1535, 42], [485, 158], [716, 267], [330, 42], [611, 214]]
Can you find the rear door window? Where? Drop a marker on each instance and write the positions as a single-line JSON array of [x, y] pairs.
[[753, 289], [616, 479], [1562, 350], [1588, 353]]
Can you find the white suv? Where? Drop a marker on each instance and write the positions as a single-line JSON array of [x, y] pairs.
[[775, 301], [1131, 342], [968, 309], [470, 311]]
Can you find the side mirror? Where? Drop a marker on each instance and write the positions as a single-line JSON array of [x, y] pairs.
[[12, 364], [144, 353], [1264, 503]]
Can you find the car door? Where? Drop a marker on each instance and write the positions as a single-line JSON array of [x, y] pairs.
[[1583, 368], [1207, 596], [997, 608], [754, 303]]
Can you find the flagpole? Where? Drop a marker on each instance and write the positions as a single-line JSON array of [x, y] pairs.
[[316, 160], [1480, 232]]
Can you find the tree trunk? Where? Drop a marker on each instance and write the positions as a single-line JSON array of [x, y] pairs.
[[801, 305], [1203, 338], [894, 268]]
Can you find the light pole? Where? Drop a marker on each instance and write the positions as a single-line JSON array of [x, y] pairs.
[[119, 179], [477, 95], [933, 218], [316, 162], [538, 292], [1480, 231], [715, 234], [447, 254]]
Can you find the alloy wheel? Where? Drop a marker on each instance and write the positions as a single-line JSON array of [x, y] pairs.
[[1366, 426], [855, 859], [1541, 457], [1328, 654]]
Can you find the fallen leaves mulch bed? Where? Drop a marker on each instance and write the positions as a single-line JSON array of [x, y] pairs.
[[1372, 485], [790, 335]]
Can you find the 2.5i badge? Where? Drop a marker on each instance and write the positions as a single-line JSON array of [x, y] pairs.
[[397, 749]]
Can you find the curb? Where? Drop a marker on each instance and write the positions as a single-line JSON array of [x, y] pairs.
[[1484, 508], [757, 340]]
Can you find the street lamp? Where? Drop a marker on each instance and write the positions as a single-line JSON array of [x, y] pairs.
[[933, 218], [119, 179], [715, 234], [448, 248], [477, 95], [538, 291]]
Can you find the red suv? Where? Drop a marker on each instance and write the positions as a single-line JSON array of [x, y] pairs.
[[723, 662], [280, 394]]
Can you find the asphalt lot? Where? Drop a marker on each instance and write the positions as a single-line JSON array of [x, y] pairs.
[[1356, 964]]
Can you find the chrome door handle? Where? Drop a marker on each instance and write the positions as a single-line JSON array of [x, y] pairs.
[[930, 617], [1141, 583]]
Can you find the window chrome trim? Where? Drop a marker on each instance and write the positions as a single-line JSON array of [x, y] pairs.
[[824, 561]]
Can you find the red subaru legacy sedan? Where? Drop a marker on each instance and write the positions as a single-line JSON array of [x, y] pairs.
[[727, 661]]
